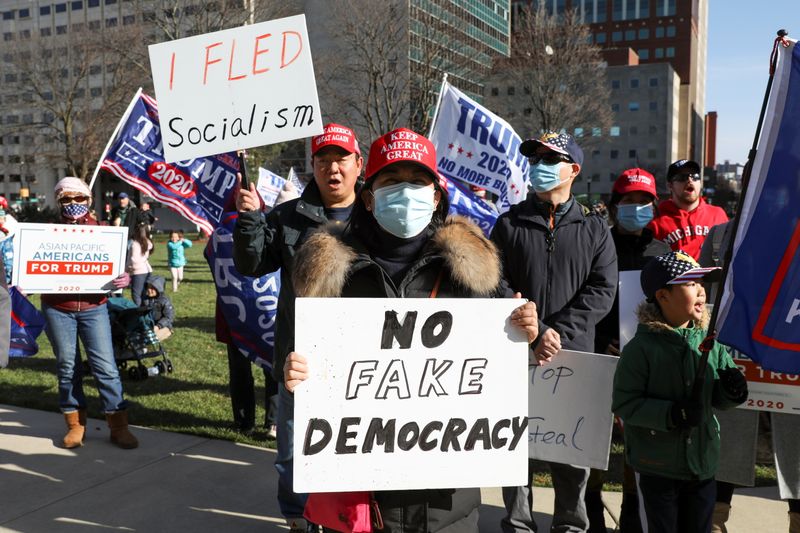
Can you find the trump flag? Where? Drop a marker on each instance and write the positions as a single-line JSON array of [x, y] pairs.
[[760, 310]]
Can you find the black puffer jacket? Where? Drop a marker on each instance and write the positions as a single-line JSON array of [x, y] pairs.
[[264, 244], [160, 306], [570, 271], [334, 264]]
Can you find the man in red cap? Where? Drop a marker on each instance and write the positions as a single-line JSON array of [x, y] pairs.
[[686, 218], [264, 244]]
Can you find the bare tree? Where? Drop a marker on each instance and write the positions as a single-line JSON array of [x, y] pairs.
[[559, 73]]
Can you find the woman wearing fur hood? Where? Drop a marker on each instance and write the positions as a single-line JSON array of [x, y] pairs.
[[400, 243]]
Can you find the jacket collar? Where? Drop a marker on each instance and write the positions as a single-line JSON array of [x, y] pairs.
[[650, 317], [535, 210], [310, 203]]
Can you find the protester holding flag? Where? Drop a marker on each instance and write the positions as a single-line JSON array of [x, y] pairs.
[[671, 435], [264, 244], [70, 316], [399, 244], [685, 217], [559, 254]]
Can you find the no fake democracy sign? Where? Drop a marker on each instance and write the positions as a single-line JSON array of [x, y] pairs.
[[235, 89], [410, 394]]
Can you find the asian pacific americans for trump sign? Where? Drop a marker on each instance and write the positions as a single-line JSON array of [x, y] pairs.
[[64, 258], [235, 89], [410, 394]]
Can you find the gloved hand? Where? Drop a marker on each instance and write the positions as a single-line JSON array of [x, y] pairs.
[[121, 281], [288, 192], [686, 414], [733, 383]]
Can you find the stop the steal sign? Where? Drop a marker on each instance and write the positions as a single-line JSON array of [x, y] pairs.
[[59, 258]]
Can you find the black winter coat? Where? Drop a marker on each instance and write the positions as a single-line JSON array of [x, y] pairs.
[[570, 271], [266, 243], [457, 262], [633, 251]]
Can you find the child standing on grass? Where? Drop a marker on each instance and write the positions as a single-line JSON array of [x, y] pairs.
[[671, 439], [176, 259]]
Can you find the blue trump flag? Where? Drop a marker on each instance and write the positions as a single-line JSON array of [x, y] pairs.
[[26, 325], [464, 202], [249, 305], [199, 189], [760, 310]]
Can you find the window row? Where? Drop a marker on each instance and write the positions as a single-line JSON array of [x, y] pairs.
[[633, 83]]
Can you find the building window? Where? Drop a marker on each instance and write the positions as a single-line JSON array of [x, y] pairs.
[[61, 30], [633, 130], [665, 8], [578, 132], [630, 35], [11, 78], [495, 91], [644, 53], [526, 90], [644, 33], [77, 5], [616, 36], [94, 24], [600, 38], [96, 91], [633, 106], [597, 132], [95, 69], [24, 13], [93, 3], [614, 155], [615, 84], [659, 53], [634, 82], [613, 131], [616, 11], [652, 153], [61, 8], [110, 2], [653, 129], [595, 154], [653, 82], [653, 106], [601, 11], [511, 91], [527, 111], [45, 32], [632, 154], [659, 32], [8, 36], [8, 15], [615, 108], [44, 11], [111, 22], [670, 31], [670, 51], [25, 34], [127, 20]]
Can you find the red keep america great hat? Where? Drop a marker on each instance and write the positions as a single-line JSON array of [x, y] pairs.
[[636, 179], [335, 135], [402, 145]]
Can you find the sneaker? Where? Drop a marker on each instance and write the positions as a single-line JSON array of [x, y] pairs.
[[301, 525], [272, 432]]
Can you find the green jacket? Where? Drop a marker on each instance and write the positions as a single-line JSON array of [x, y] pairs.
[[656, 369]]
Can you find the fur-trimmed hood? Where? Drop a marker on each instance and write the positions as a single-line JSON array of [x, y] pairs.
[[650, 315], [322, 265]]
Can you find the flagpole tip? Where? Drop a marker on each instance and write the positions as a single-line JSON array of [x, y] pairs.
[[782, 33]]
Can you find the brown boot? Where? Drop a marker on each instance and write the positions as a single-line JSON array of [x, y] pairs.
[[76, 426], [118, 422], [722, 511], [794, 522]]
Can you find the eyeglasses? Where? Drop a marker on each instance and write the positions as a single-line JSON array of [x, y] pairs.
[[683, 178], [65, 200], [549, 158]]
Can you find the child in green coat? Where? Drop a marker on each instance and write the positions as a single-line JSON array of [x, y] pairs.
[[672, 439]]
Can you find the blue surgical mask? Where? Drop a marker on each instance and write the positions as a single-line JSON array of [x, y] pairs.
[[404, 209], [633, 217], [545, 177]]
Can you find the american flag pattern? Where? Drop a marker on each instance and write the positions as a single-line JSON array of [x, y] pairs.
[[682, 267], [556, 141]]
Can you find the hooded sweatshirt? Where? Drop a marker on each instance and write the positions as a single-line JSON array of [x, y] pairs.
[[160, 306]]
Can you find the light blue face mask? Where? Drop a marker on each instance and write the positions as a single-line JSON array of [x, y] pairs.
[[404, 209], [545, 177], [633, 217]]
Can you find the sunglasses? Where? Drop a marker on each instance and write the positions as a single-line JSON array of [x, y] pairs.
[[683, 178], [66, 200], [549, 158]]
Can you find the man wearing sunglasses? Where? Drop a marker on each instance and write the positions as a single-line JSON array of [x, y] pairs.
[[560, 255], [685, 218]]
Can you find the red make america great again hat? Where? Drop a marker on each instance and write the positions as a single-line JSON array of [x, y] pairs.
[[402, 145], [335, 135]]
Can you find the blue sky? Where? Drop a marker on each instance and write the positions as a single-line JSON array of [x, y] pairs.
[[740, 35]]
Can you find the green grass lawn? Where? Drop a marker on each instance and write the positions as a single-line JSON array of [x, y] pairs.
[[193, 399]]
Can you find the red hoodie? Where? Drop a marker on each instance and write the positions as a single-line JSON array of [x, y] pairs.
[[686, 230]]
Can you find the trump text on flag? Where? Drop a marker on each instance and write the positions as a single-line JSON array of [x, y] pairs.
[[235, 89]]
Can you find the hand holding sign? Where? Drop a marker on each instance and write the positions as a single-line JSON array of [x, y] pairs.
[[247, 199], [549, 345], [295, 371], [526, 318]]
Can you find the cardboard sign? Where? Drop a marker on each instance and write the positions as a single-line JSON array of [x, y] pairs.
[[410, 394], [64, 258], [768, 391], [570, 409], [269, 186], [235, 89], [630, 296]]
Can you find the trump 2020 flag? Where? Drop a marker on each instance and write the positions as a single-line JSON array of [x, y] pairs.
[[198, 189], [479, 148], [760, 309], [463, 202], [269, 186], [26, 325]]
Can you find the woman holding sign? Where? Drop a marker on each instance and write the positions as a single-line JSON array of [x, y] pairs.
[[84, 316], [399, 243]]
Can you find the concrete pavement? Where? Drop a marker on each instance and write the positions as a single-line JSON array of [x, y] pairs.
[[176, 482]]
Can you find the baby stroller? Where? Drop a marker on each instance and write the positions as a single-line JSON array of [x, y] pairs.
[[134, 340]]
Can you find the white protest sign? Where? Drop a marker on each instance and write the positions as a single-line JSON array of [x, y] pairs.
[[766, 390], [569, 406], [235, 89], [409, 394], [630, 296], [66, 258], [269, 186]]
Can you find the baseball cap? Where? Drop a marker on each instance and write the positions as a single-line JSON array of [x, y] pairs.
[[122, 195], [674, 268], [335, 135], [403, 145], [679, 165], [636, 179], [563, 143]]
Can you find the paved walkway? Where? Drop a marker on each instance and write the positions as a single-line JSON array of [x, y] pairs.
[[176, 482]]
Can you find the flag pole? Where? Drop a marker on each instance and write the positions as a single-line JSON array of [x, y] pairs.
[[708, 342], [114, 135], [438, 104]]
